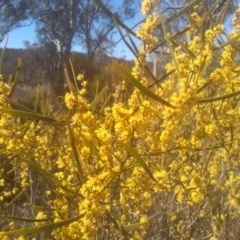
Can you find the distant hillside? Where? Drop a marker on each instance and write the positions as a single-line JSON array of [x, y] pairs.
[[9, 64], [39, 65]]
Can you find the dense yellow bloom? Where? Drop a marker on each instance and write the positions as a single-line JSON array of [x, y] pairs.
[[70, 100], [40, 215], [21, 238], [148, 6], [80, 77], [137, 165]]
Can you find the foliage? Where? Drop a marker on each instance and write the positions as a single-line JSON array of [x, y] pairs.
[[14, 14], [61, 24], [64, 23], [159, 164], [39, 68]]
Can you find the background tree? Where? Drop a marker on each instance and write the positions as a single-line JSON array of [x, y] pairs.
[[14, 14], [217, 12], [66, 22], [61, 23], [39, 62]]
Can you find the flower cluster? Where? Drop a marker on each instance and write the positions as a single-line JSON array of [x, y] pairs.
[[138, 168]]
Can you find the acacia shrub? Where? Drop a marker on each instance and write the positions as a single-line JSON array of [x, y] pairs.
[[161, 165]]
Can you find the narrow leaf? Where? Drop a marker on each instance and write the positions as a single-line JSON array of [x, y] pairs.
[[111, 15], [27, 219], [232, 40], [97, 87], [116, 174], [75, 152], [2, 54], [10, 79], [71, 86], [131, 227], [139, 86], [112, 219], [42, 228], [172, 37], [222, 15], [161, 79], [182, 11], [203, 29], [168, 41], [149, 72], [139, 159], [41, 208], [16, 198], [105, 103], [29, 115], [203, 86], [207, 100], [18, 106], [46, 108], [17, 76], [73, 74], [98, 98], [132, 42], [154, 61], [124, 40], [90, 145], [36, 105], [44, 173]]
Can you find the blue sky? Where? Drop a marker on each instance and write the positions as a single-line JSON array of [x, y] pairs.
[[19, 35]]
